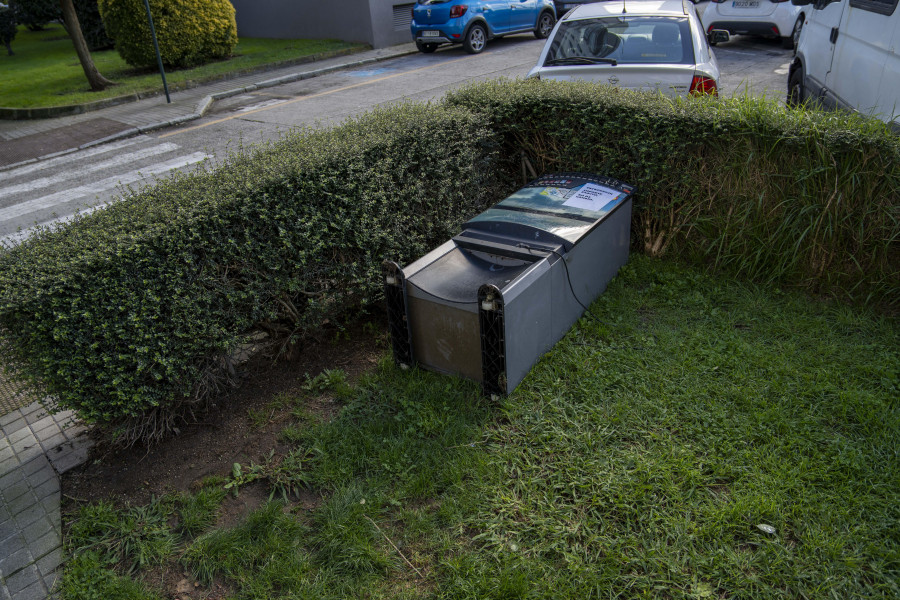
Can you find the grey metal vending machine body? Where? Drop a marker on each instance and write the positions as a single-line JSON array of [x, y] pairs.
[[488, 303]]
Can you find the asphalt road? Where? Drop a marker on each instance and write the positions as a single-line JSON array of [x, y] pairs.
[[54, 189]]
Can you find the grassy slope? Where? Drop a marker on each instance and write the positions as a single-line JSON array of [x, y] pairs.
[[637, 460], [45, 70]]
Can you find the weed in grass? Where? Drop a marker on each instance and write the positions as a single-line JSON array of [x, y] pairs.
[[197, 512], [241, 476], [260, 418], [333, 380], [263, 555], [343, 539], [286, 474], [211, 481], [138, 536], [90, 576]]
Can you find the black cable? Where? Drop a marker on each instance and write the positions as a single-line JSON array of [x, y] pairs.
[[587, 311]]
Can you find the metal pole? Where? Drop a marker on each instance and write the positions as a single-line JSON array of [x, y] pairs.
[[156, 47]]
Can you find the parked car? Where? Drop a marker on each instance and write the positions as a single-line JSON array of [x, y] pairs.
[[767, 18], [848, 57], [564, 6], [635, 44], [472, 24]]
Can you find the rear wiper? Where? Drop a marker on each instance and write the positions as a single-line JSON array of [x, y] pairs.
[[581, 60]]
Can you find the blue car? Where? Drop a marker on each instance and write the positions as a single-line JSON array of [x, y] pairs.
[[472, 24]]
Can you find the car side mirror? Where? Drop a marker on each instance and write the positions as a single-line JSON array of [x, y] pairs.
[[718, 36]]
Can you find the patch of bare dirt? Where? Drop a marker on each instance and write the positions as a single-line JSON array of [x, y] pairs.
[[231, 432], [244, 427]]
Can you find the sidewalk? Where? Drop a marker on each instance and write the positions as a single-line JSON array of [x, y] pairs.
[[26, 141], [35, 446]]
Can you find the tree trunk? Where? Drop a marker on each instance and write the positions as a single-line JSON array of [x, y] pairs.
[[98, 82]]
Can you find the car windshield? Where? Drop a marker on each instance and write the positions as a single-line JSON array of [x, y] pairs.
[[433, 1], [625, 40]]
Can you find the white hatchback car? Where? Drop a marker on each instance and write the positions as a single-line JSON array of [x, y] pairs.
[[768, 18], [635, 44]]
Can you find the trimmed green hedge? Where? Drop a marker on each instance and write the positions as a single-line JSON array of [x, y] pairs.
[[189, 32], [129, 315], [784, 196]]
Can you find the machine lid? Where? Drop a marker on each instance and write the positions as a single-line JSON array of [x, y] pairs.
[[561, 207], [455, 277]]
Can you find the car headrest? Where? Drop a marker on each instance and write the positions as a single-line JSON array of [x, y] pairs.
[[666, 34]]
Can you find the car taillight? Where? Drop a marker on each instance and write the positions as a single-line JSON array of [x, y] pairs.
[[458, 11], [701, 84]]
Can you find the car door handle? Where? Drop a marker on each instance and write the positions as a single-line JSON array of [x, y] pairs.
[[834, 34]]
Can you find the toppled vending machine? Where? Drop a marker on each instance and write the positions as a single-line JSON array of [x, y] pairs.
[[489, 302]]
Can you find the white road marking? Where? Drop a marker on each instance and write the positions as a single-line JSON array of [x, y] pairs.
[[59, 160], [36, 184], [97, 187], [261, 105]]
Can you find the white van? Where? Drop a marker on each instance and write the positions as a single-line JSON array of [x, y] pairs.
[[848, 57]]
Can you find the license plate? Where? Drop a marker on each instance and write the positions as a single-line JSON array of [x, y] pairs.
[[745, 4], [431, 33]]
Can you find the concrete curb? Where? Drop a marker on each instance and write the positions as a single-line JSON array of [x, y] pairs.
[[204, 104]]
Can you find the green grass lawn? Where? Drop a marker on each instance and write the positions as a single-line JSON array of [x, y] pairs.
[[45, 70], [702, 438]]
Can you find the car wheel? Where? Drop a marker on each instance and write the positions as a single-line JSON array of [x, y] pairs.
[[426, 48], [476, 39], [796, 93], [544, 25]]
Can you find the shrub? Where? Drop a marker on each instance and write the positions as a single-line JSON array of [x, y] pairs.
[[130, 315], [189, 32], [92, 27], [790, 197], [7, 27], [34, 14]]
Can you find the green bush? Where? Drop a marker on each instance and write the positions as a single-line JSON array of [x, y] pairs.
[[189, 32], [7, 28], [34, 14], [790, 197], [130, 315], [92, 27]]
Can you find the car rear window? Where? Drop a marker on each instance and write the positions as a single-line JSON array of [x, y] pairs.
[[628, 40]]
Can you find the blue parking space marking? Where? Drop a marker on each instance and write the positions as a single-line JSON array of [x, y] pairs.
[[371, 72]]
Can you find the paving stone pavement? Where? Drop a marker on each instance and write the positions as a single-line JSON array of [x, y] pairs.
[[35, 448]]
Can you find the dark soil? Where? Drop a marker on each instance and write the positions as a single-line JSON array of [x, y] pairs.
[[228, 433], [234, 430]]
